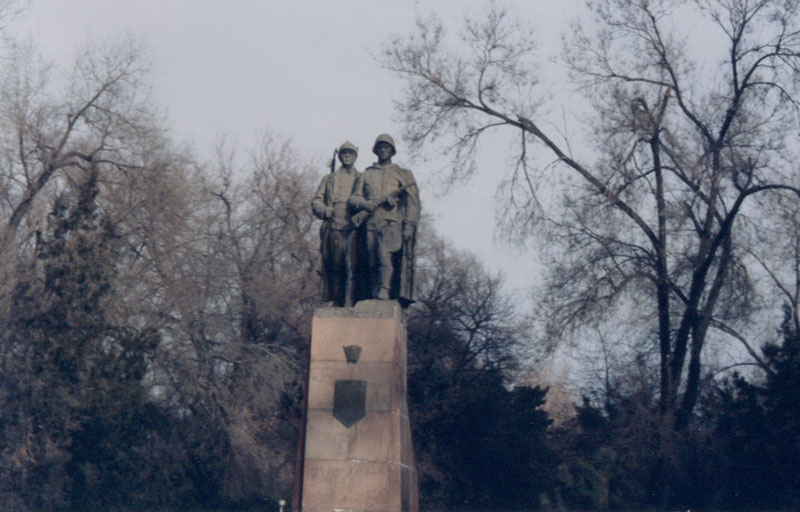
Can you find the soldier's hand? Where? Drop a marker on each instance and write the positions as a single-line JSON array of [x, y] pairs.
[[370, 206], [328, 212]]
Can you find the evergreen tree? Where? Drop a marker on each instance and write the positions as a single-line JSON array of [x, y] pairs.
[[759, 431], [480, 444], [74, 409]]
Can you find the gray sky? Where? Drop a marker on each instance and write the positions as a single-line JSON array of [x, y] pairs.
[[303, 70]]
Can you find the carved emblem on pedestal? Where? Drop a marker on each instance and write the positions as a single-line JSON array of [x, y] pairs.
[[352, 353]]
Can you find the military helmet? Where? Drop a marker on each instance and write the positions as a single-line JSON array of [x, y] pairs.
[[384, 137], [348, 145]]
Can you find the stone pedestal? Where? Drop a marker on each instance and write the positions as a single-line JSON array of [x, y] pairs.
[[368, 466]]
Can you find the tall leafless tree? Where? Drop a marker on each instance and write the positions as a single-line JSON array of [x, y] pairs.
[[658, 221]]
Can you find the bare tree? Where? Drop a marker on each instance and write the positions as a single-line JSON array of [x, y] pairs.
[[658, 224], [92, 124], [55, 129], [232, 283], [463, 321], [218, 259]]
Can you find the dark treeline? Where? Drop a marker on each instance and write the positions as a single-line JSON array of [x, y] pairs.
[[155, 318], [102, 410], [483, 444]]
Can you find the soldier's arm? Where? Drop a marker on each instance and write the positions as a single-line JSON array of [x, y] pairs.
[[318, 205], [357, 200], [413, 206]]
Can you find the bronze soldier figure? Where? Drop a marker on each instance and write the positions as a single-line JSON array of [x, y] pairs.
[[331, 205], [386, 199]]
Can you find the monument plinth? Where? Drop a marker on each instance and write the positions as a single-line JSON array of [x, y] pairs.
[[358, 454]]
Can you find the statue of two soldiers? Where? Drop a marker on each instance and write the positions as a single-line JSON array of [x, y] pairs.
[[369, 228]]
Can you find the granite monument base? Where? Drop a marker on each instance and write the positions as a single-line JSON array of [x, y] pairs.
[[358, 455]]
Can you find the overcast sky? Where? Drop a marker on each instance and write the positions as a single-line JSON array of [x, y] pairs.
[[302, 69]]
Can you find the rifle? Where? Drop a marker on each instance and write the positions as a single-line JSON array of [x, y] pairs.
[[361, 216], [333, 160]]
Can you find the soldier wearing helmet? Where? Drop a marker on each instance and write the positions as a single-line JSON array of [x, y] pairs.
[[336, 233], [388, 197]]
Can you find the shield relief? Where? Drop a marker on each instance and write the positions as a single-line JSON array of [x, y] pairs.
[[349, 401]]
